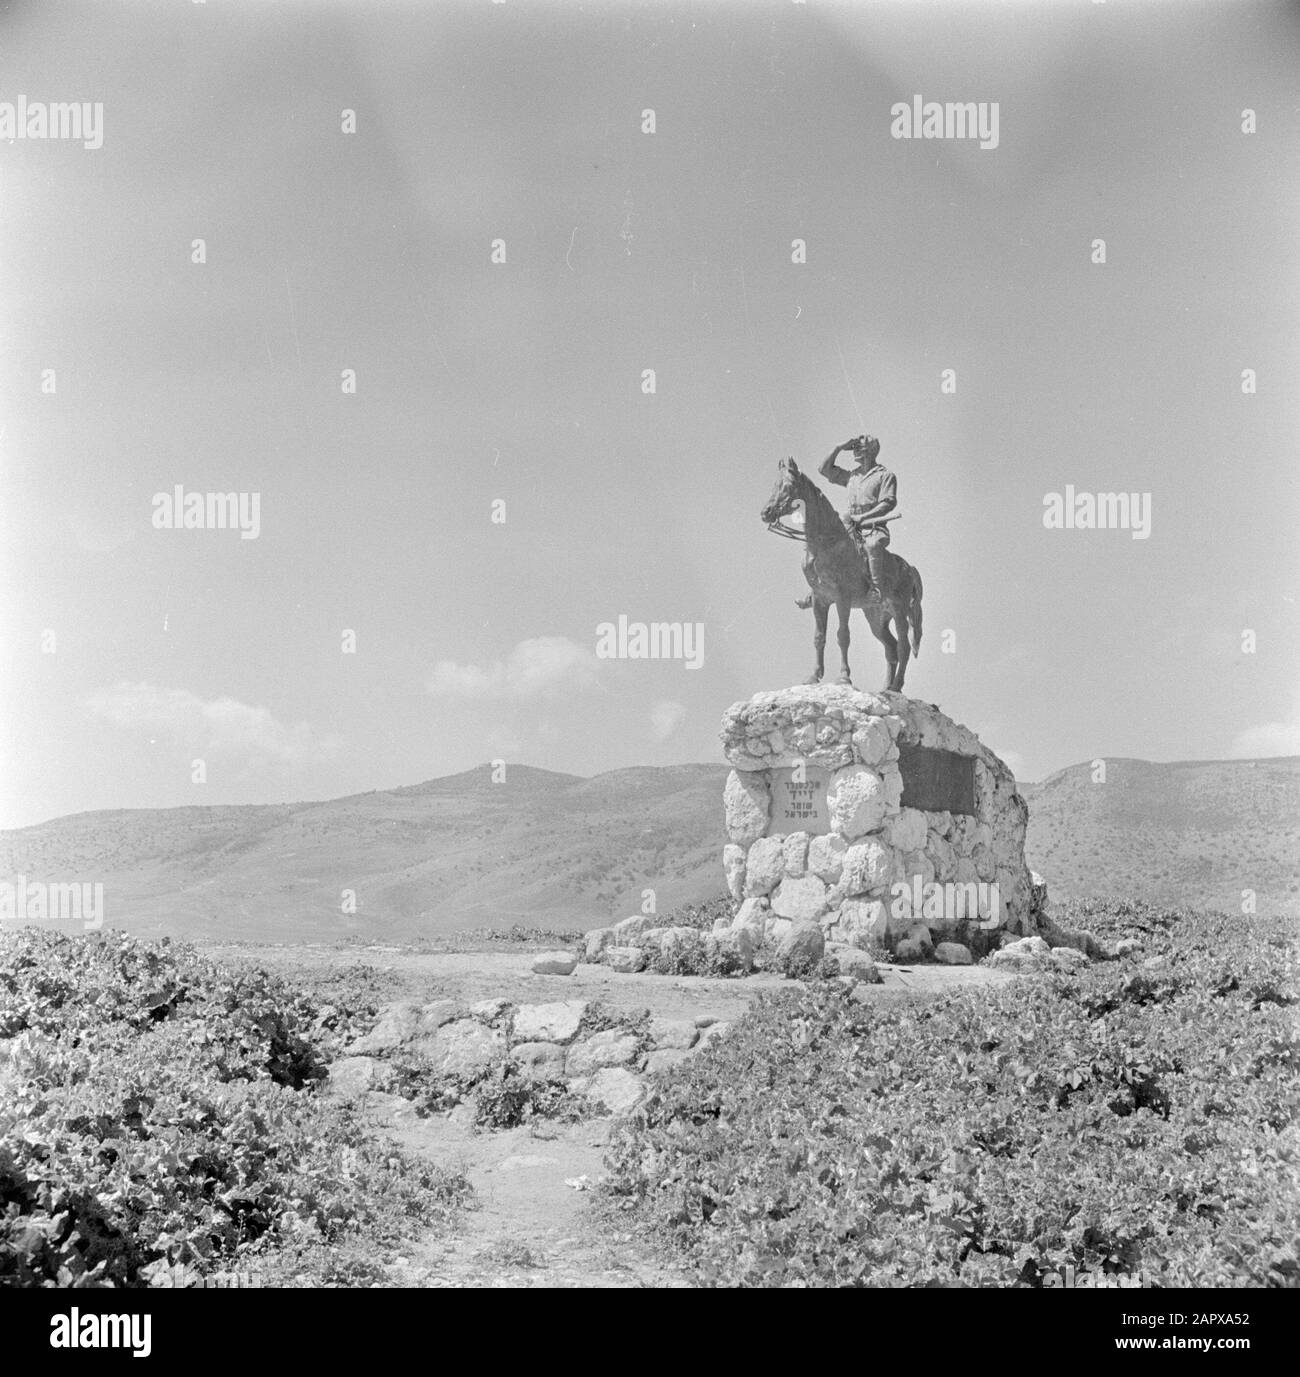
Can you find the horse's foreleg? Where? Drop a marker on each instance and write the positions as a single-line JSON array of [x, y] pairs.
[[820, 612], [842, 635]]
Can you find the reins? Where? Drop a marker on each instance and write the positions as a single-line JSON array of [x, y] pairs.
[[778, 527]]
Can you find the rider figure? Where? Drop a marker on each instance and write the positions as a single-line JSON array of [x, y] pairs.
[[873, 494]]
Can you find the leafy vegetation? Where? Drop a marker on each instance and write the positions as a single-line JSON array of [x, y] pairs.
[[1138, 1118], [158, 1120]]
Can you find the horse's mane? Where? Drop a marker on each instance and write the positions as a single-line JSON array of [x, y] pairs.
[[814, 497]]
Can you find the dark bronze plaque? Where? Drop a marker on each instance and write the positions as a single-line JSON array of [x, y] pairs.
[[937, 781]]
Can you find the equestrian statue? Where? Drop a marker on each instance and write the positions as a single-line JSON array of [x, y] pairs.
[[847, 561]]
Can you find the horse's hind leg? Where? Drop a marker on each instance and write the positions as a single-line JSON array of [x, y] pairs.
[[904, 652], [880, 630]]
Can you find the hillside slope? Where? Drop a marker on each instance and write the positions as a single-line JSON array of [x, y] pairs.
[[540, 848], [556, 850], [1197, 832]]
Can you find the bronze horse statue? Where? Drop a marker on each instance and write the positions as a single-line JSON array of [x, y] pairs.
[[837, 573]]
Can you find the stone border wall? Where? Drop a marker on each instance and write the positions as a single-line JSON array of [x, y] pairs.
[[862, 879]]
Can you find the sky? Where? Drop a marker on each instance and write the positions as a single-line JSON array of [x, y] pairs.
[[437, 549]]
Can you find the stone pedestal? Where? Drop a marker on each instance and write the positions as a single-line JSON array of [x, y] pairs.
[[871, 813]]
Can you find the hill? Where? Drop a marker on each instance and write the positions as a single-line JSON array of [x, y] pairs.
[[556, 850], [1194, 832], [539, 848]]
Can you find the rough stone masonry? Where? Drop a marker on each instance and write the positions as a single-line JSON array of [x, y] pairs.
[[872, 814]]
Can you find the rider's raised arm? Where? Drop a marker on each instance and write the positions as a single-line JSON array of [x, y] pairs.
[[828, 469]]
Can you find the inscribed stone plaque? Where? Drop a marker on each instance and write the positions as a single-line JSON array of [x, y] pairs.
[[799, 807], [937, 781]]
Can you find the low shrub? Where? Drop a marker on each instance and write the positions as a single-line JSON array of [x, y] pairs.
[[157, 1114], [1118, 1120]]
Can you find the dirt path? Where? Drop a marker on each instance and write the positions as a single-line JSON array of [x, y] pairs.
[[530, 1227]]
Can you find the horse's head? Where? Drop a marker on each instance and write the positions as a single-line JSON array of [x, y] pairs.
[[786, 495]]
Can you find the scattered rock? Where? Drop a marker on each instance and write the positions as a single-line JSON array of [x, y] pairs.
[[595, 943], [610, 1047], [1028, 954], [920, 934], [628, 930], [489, 1010], [736, 945], [433, 1016], [668, 941], [953, 954], [672, 1033], [804, 945], [854, 961], [555, 963], [397, 1023], [711, 1034], [616, 1089], [910, 952], [705, 1021], [539, 1061], [466, 1048], [548, 1022], [1068, 959], [624, 960], [1059, 936], [352, 1077]]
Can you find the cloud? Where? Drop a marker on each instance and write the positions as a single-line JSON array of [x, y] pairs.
[[544, 667], [665, 717], [1270, 738], [219, 725]]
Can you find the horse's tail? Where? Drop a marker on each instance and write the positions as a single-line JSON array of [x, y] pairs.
[[914, 612]]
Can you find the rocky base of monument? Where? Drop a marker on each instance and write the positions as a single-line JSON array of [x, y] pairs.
[[877, 817], [736, 944]]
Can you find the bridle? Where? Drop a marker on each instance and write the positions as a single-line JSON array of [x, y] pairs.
[[779, 527]]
